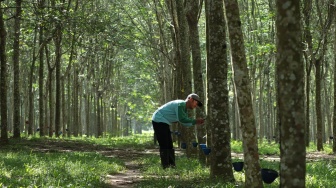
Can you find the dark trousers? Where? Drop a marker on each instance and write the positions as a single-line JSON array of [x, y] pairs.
[[163, 136]]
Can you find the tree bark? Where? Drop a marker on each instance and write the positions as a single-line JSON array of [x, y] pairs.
[[218, 103], [75, 101], [41, 85], [193, 10], [334, 115], [319, 128], [31, 90], [185, 68], [98, 108], [16, 67], [309, 58], [58, 52], [3, 80], [243, 95], [50, 92], [291, 94]]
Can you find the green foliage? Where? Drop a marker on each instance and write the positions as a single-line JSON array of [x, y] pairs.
[[265, 148], [321, 174], [313, 148], [272, 148], [236, 146]]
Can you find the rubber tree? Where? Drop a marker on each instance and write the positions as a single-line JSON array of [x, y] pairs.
[[218, 103], [3, 80], [16, 67], [290, 75], [193, 11], [334, 112], [243, 95]]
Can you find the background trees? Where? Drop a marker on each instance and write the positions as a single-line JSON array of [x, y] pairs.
[[101, 67]]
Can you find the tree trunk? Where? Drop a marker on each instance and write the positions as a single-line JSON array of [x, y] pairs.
[[319, 125], [220, 165], [46, 112], [41, 86], [51, 104], [69, 111], [193, 11], [327, 109], [309, 57], [334, 115], [290, 94], [98, 122], [50, 93], [260, 107], [115, 120], [233, 117], [58, 53], [16, 67], [75, 101], [187, 133], [88, 112], [64, 109], [243, 95], [31, 90], [208, 54], [3, 80]]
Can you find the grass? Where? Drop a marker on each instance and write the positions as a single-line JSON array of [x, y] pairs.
[[23, 166], [190, 173], [321, 174], [26, 169], [86, 162]]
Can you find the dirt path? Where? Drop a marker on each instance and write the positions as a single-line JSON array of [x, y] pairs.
[[132, 175], [126, 179]]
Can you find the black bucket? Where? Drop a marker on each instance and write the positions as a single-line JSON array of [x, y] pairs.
[[238, 166], [268, 175], [206, 151]]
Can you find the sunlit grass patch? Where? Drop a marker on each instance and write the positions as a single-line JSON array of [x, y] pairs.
[[188, 173], [265, 147], [327, 148], [321, 174], [136, 141], [68, 169]]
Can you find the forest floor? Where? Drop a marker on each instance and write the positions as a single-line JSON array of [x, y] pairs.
[[132, 175]]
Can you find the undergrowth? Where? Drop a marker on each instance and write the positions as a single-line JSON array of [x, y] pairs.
[[80, 162]]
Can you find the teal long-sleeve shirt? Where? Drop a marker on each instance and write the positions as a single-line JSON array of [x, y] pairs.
[[173, 111]]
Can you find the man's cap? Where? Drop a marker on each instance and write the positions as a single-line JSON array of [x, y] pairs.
[[196, 97]]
